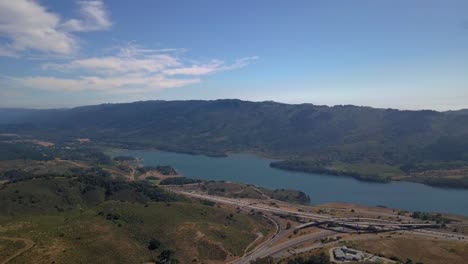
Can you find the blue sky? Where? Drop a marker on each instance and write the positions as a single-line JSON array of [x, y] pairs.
[[396, 53]]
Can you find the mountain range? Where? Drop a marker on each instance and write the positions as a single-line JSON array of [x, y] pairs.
[[344, 138]]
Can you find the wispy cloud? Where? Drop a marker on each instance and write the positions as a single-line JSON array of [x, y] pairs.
[[211, 67], [130, 69], [26, 26], [94, 16], [118, 64], [125, 84]]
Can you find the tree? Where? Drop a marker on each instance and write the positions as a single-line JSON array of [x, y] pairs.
[[154, 244], [166, 256]]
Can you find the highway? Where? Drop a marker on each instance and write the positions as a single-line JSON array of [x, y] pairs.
[[350, 221], [271, 247]]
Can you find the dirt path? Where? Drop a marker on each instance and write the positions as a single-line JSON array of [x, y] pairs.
[[28, 245], [74, 163], [259, 237], [277, 231], [247, 250], [133, 174], [261, 193]]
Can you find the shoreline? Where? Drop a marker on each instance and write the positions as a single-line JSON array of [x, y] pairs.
[[272, 160]]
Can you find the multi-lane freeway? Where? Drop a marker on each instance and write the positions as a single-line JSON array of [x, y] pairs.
[[276, 245]]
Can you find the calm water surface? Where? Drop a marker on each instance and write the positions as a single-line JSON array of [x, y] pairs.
[[246, 168]]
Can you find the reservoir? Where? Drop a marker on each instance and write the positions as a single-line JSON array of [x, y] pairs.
[[251, 169]]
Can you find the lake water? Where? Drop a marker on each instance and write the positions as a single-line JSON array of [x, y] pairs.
[[247, 168]]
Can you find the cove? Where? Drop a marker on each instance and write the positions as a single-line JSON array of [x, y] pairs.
[[251, 169]]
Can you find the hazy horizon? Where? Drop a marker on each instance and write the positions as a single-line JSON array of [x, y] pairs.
[[260, 101], [383, 54]]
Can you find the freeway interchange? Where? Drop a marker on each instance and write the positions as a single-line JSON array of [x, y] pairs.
[[328, 229]]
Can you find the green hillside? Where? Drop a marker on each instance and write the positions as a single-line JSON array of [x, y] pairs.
[[375, 144], [88, 215]]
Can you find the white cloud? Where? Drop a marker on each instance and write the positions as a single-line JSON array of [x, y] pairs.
[[30, 26], [131, 50], [212, 67], [114, 84], [118, 64], [7, 51], [25, 25], [94, 16], [130, 69]]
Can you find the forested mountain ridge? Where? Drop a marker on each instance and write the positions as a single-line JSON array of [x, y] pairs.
[[323, 136]]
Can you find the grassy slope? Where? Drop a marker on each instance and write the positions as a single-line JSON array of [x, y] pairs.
[[88, 235], [69, 224], [41, 196], [239, 190], [38, 167], [8, 247], [425, 251]]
